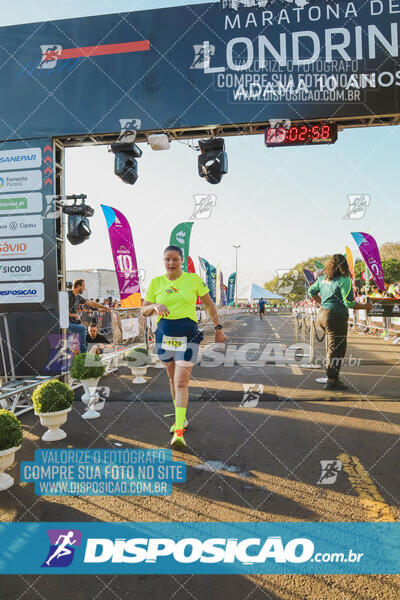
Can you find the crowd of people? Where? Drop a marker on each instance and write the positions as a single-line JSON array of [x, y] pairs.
[[391, 291]]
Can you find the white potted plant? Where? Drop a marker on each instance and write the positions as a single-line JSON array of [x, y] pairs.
[[52, 401], [138, 360], [10, 442], [89, 369]]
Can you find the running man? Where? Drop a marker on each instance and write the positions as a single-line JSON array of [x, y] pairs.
[[62, 549], [261, 306], [172, 297]]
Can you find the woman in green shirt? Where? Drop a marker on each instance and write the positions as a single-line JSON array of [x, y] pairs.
[[172, 297], [334, 292]]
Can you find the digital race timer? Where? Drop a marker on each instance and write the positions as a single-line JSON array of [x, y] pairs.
[[302, 134]]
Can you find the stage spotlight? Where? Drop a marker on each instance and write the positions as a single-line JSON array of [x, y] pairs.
[[125, 163], [78, 223], [159, 141], [213, 160]]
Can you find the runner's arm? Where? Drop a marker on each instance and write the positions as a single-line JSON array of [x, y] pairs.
[[210, 308], [313, 292], [150, 308], [97, 305], [346, 289]]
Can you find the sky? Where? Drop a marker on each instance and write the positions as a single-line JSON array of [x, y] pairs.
[[281, 205]]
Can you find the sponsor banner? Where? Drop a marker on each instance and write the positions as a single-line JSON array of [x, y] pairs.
[[180, 237], [24, 158], [370, 253], [205, 271], [231, 289], [21, 203], [316, 60], [384, 307], [17, 248], [191, 269], [213, 288], [199, 548], [16, 181], [309, 276], [130, 328], [19, 226], [124, 257], [218, 286], [21, 293], [15, 270]]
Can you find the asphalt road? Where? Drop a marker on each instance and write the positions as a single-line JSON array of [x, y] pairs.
[[269, 447]]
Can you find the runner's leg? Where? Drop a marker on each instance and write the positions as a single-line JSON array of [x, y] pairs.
[[170, 367], [183, 370]]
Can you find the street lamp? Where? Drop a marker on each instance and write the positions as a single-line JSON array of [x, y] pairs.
[[236, 248]]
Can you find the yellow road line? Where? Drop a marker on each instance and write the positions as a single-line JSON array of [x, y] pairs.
[[374, 504], [296, 370]]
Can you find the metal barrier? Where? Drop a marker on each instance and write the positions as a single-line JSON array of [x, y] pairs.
[[128, 329]]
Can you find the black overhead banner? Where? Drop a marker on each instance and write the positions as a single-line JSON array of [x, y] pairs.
[[200, 65]]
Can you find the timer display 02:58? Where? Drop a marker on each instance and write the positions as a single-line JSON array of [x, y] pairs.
[[299, 135]]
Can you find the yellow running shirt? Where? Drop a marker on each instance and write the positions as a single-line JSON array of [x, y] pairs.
[[179, 295]]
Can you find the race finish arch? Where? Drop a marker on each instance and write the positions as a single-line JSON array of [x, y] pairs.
[[193, 71]]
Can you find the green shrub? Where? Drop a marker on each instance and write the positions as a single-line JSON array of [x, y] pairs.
[[10, 430], [52, 396], [139, 357], [87, 366]]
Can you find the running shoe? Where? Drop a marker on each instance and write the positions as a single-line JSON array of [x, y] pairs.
[[178, 440], [185, 426]]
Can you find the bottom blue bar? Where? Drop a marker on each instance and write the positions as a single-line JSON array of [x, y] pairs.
[[199, 548]]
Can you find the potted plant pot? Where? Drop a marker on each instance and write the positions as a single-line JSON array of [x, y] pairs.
[[89, 369], [10, 442], [52, 401], [89, 386], [138, 360]]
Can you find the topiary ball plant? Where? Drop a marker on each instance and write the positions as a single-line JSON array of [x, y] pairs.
[[52, 396], [10, 430], [87, 366], [138, 357]]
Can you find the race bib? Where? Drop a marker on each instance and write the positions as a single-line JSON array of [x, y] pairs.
[[174, 343]]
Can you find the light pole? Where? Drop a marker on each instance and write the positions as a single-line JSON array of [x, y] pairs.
[[236, 248]]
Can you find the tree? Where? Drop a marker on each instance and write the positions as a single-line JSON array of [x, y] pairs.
[[391, 270], [293, 285], [390, 250]]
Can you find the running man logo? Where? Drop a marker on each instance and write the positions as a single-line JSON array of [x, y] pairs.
[[280, 126], [129, 129], [63, 543], [285, 283], [251, 395], [50, 55], [329, 471], [203, 205], [180, 237], [203, 53], [61, 351], [237, 4], [358, 204]]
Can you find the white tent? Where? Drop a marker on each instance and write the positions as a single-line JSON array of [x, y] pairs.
[[254, 292]]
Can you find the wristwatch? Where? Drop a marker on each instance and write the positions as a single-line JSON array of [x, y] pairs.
[[218, 327]]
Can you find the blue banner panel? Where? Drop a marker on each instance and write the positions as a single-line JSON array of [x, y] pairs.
[[199, 548], [199, 65]]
